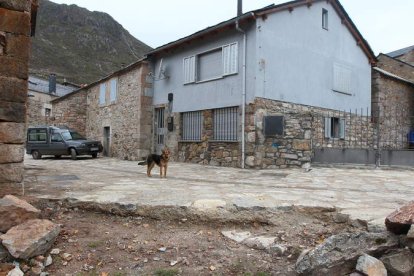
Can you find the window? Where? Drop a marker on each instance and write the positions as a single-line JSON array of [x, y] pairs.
[[273, 125], [37, 135], [102, 94], [192, 126], [114, 88], [325, 19], [334, 127], [342, 79], [56, 137], [212, 64], [225, 124], [47, 112]]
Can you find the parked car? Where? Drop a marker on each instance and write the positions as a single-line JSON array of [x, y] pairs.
[[49, 140]]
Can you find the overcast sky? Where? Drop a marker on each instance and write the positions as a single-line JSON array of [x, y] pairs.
[[386, 25]]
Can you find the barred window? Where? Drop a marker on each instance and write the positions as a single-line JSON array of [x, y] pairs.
[[192, 126], [225, 124]]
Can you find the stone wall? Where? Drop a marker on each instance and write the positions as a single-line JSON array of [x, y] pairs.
[[15, 31], [393, 102], [396, 67], [36, 105], [129, 117], [70, 111], [408, 57]]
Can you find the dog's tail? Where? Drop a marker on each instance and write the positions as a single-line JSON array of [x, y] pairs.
[[142, 163]]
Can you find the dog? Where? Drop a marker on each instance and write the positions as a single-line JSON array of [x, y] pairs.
[[160, 160]]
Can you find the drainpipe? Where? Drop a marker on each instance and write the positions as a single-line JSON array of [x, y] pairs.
[[243, 93]]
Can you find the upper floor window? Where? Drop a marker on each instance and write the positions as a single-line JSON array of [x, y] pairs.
[[114, 89], [102, 94], [342, 79], [325, 19], [212, 64]]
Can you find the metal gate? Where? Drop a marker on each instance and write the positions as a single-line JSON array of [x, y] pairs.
[[160, 129]]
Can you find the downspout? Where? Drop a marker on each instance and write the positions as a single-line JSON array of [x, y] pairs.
[[243, 121]]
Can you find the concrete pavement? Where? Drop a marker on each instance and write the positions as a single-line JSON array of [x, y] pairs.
[[367, 193]]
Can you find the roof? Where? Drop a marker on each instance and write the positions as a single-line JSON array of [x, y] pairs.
[[400, 52], [252, 15], [37, 84], [391, 75]]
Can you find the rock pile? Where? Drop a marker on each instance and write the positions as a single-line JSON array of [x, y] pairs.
[[365, 253], [26, 238]]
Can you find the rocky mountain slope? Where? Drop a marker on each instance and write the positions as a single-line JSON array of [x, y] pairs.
[[79, 45]]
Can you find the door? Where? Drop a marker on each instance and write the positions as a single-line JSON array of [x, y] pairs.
[[160, 129], [57, 144], [106, 140]]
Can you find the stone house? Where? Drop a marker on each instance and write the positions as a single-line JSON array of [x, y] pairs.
[[17, 24], [262, 89], [116, 110], [40, 93], [393, 100], [406, 55]]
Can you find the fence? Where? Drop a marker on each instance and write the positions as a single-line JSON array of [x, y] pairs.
[[382, 136]]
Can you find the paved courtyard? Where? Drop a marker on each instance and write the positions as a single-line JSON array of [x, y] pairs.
[[367, 193]]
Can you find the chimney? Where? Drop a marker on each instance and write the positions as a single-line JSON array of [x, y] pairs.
[[52, 84], [239, 7]]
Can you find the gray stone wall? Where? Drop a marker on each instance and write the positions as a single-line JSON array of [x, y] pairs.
[[70, 111], [15, 30], [408, 57], [129, 117], [36, 105], [393, 105], [397, 68]]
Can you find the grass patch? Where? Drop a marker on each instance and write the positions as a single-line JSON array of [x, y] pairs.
[[95, 244], [166, 272]]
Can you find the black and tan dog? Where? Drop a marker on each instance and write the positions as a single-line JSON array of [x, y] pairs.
[[160, 160]]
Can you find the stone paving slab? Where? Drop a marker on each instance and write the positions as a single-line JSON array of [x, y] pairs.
[[363, 193]]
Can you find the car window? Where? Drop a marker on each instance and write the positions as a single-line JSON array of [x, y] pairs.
[[72, 135], [56, 137]]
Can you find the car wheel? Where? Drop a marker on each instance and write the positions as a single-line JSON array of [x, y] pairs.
[[94, 155], [73, 154], [58, 156], [36, 154]]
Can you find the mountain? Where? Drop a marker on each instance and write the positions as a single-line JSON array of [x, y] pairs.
[[79, 45]]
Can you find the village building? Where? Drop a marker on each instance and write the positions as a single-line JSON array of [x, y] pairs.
[[40, 94], [17, 24]]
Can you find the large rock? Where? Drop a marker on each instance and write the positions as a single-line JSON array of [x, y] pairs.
[[32, 238], [5, 269], [370, 266], [399, 221], [338, 255], [14, 211], [399, 263]]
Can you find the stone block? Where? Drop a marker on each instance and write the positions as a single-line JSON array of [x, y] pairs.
[[17, 5], [12, 172], [13, 90], [29, 239], [289, 156], [13, 67], [400, 221], [14, 211], [370, 266], [17, 46], [11, 153], [14, 21], [12, 112], [399, 263], [12, 133]]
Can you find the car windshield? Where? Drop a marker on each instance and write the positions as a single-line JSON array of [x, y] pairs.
[[72, 135]]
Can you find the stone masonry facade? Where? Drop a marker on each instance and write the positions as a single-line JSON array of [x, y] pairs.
[[36, 105], [128, 118], [303, 130], [70, 111], [15, 32]]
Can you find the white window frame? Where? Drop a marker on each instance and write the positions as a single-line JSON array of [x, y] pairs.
[[192, 126], [230, 63], [113, 90], [329, 128], [102, 93]]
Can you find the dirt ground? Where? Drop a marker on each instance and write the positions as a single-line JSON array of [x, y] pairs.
[[102, 244]]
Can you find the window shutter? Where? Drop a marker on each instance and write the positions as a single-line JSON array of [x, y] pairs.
[[342, 128], [327, 127], [230, 55], [102, 93], [189, 69]]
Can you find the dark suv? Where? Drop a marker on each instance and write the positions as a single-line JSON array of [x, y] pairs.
[[49, 140]]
